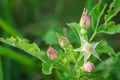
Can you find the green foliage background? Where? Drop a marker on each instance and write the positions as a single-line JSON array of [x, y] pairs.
[[38, 21]]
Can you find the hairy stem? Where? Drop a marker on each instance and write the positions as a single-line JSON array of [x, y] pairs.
[[80, 57], [93, 36]]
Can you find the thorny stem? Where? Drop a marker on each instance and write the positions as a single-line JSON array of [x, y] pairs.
[[93, 36]]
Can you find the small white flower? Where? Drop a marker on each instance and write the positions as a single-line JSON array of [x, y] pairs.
[[88, 49]]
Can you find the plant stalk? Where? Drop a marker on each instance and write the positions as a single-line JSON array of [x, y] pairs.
[[93, 36]]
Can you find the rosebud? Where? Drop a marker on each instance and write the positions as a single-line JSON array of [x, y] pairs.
[[63, 42], [88, 66], [85, 20], [51, 53]]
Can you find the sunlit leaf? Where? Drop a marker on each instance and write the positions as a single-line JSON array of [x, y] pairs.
[[75, 27], [114, 8], [47, 68], [97, 12], [103, 47], [28, 47], [109, 28]]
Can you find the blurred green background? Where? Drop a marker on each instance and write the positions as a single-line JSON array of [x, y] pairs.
[[38, 21]]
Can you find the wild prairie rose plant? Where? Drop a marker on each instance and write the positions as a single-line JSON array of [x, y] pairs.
[[71, 63]]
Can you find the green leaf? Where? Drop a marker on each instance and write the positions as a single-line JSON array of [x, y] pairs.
[[75, 27], [107, 64], [47, 68], [25, 45], [16, 56], [97, 12], [50, 37], [109, 67], [1, 69], [9, 29], [103, 47], [109, 28], [114, 8], [90, 4], [118, 54]]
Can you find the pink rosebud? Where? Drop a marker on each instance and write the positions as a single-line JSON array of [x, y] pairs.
[[51, 53], [63, 42], [85, 20], [88, 66]]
